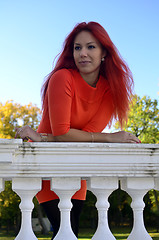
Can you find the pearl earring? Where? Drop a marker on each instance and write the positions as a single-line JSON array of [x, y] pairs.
[[103, 59]]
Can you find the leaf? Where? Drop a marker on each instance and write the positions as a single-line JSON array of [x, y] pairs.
[[143, 119]]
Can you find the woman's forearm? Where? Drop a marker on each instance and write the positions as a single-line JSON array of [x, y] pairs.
[[75, 135]]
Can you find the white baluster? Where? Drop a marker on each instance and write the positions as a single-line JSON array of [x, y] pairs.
[[102, 187], [65, 188], [26, 188], [1, 185], [137, 188], [156, 184]]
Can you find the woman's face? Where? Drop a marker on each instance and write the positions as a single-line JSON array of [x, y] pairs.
[[87, 53]]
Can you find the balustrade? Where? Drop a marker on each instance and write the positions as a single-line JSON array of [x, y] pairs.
[[102, 165], [1, 185]]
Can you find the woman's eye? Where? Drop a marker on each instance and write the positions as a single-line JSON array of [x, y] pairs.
[[77, 48], [91, 46]]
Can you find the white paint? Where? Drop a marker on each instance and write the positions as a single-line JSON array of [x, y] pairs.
[[26, 188], [102, 164]]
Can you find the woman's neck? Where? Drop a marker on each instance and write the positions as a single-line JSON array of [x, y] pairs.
[[91, 78]]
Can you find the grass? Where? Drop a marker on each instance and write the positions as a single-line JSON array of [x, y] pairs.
[[86, 234]]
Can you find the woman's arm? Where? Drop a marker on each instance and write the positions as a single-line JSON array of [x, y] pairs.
[[75, 135]]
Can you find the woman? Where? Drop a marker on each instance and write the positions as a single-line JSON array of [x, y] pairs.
[[89, 87]]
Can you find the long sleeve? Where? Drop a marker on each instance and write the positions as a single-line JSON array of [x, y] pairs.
[[60, 95]]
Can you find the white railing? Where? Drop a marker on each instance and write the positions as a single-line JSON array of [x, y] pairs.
[[103, 165]]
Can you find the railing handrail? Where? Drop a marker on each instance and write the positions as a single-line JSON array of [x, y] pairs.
[[19, 159]]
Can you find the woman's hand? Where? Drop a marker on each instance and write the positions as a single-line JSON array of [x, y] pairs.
[[27, 132], [123, 137]]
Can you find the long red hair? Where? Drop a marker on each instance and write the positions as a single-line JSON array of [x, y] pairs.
[[114, 68]]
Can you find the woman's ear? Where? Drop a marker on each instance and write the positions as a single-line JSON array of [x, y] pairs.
[[104, 53]]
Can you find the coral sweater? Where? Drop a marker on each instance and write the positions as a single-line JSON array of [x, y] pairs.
[[71, 103]]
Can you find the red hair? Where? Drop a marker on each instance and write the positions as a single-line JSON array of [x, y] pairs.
[[114, 68]]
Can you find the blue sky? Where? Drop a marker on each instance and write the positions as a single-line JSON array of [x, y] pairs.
[[32, 33]]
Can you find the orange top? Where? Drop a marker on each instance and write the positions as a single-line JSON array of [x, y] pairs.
[[71, 103]]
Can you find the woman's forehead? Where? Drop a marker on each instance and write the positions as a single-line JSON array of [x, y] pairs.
[[85, 37]]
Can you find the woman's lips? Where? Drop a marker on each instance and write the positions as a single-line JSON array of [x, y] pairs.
[[84, 62]]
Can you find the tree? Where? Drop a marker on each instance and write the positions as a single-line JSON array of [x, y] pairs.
[[14, 115], [143, 119], [9, 208], [151, 211]]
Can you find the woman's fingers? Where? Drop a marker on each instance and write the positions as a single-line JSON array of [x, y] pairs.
[[17, 132], [124, 137], [27, 132], [132, 138], [22, 132]]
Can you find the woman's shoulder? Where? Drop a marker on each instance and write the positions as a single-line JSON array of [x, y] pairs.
[[63, 72], [62, 79], [62, 75], [59, 75]]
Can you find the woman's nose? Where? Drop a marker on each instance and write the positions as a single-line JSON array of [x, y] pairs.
[[83, 52]]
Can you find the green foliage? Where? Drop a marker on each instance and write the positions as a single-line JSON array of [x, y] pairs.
[[151, 211], [9, 206], [143, 119], [89, 216], [120, 212]]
